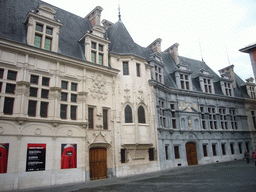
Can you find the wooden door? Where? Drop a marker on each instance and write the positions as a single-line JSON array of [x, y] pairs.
[[191, 154], [98, 163]]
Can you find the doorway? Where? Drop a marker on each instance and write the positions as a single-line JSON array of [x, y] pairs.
[[191, 153], [98, 163]]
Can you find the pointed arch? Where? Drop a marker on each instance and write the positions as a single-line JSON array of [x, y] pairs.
[[128, 114], [141, 115]]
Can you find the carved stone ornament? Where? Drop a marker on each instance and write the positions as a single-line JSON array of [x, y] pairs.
[[98, 87], [69, 133], [38, 131], [1, 130], [181, 105], [127, 96], [140, 97]]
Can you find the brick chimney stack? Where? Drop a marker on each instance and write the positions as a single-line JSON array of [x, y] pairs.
[[94, 16], [173, 50], [156, 45]]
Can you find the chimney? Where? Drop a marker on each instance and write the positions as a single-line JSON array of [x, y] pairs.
[[231, 75], [173, 50], [106, 24], [94, 16], [156, 45]]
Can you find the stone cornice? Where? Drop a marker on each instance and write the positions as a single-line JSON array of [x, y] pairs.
[[193, 93]]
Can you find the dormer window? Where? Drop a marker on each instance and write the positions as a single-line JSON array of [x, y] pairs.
[[205, 79], [184, 81], [252, 92], [158, 74], [43, 34], [250, 86], [228, 89], [97, 55], [207, 85], [183, 76], [43, 29], [93, 45]]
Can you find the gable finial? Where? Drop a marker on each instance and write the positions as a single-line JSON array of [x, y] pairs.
[[119, 14]]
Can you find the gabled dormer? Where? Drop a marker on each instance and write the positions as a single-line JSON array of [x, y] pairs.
[[206, 81], [157, 72], [94, 42], [43, 28], [226, 84], [183, 76], [250, 87]]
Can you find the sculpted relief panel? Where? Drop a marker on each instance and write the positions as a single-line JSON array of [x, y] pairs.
[[98, 89]]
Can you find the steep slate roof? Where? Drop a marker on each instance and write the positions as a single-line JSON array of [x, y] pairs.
[[122, 42], [13, 14]]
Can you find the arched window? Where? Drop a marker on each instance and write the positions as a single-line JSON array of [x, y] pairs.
[[141, 115], [128, 114]]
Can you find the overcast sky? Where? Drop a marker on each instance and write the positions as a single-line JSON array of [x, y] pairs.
[[222, 27]]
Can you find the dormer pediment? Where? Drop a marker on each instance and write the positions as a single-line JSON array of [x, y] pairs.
[[205, 73], [46, 10], [183, 67], [98, 31]]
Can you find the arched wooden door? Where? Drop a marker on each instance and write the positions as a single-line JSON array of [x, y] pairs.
[[191, 153], [98, 163]]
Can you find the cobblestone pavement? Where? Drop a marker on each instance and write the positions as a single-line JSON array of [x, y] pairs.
[[229, 176]]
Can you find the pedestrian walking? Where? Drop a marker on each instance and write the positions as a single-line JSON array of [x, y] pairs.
[[247, 156], [254, 157]]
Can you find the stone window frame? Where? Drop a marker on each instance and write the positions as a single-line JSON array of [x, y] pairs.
[[162, 115], [91, 117], [8, 97], [167, 152], [98, 50], [212, 117], [141, 115], [253, 114], [41, 95], [252, 91], [125, 70], [158, 73], [138, 70], [44, 36], [71, 102], [232, 151], [223, 118], [223, 149], [173, 116], [203, 117], [233, 118], [105, 118], [128, 115], [176, 149], [214, 149], [205, 149]]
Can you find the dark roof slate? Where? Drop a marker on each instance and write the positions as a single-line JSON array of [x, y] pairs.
[[122, 42], [13, 15]]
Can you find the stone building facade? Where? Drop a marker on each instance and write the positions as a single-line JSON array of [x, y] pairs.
[[73, 107]]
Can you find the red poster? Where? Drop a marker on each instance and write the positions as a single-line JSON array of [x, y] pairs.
[[4, 148], [68, 156]]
